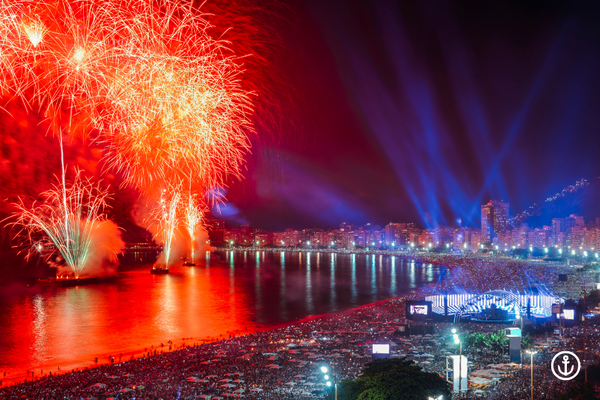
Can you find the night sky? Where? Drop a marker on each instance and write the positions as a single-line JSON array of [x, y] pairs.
[[422, 111], [377, 111]]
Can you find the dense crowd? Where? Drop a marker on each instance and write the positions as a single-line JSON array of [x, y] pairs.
[[278, 364], [285, 363]]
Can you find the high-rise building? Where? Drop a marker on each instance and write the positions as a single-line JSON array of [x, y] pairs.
[[393, 233], [520, 236], [562, 229], [494, 220]]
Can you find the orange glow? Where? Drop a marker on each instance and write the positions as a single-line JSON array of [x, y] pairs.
[[143, 77]]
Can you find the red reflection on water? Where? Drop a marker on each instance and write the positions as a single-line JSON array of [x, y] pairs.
[[68, 327]]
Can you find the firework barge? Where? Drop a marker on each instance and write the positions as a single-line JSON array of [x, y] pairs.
[[67, 282]]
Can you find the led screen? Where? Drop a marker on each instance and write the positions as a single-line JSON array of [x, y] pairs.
[[381, 349], [418, 310], [569, 314]]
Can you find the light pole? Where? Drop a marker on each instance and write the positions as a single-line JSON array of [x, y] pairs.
[[531, 353], [325, 370], [459, 343]]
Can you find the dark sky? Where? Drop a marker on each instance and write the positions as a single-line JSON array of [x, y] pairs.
[[380, 111], [422, 111]]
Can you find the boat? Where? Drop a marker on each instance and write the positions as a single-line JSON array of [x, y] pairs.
[[78, 281], [159, 271]]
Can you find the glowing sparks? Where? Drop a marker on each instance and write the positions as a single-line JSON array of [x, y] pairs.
[[66, 226], [35, 32], [167, 218], [193, 217], [144, 75]]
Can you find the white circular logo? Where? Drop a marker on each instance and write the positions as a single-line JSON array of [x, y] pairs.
[[563, 365]]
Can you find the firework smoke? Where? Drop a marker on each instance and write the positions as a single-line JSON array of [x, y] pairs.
[[71, 221]]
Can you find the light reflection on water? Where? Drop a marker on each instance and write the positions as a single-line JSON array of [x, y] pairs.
[[227, 292]]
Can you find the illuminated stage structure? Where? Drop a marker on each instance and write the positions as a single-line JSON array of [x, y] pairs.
[[496, 305]]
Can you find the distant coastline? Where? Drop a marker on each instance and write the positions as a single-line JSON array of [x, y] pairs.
[[417, 256]]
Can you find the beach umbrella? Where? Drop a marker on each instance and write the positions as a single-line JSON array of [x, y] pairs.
[[98, 385]]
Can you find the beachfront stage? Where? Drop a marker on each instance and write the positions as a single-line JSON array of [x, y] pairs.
[[497, 305]]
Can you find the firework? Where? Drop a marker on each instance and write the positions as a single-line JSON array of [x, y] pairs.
[[144, 78], [144, 75], [65, 220], [166, 216], [193, 217]]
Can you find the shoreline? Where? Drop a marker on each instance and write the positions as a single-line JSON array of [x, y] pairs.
[[178, 344], [186, 343], [420, 256]]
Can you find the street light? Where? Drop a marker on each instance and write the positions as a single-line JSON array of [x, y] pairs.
[[531, 353], [324, 370]]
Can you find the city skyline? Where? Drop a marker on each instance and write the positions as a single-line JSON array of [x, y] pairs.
[[514, 219], [572, 235]]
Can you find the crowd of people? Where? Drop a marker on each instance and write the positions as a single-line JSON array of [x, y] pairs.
[[278, 364], [285, 363]]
